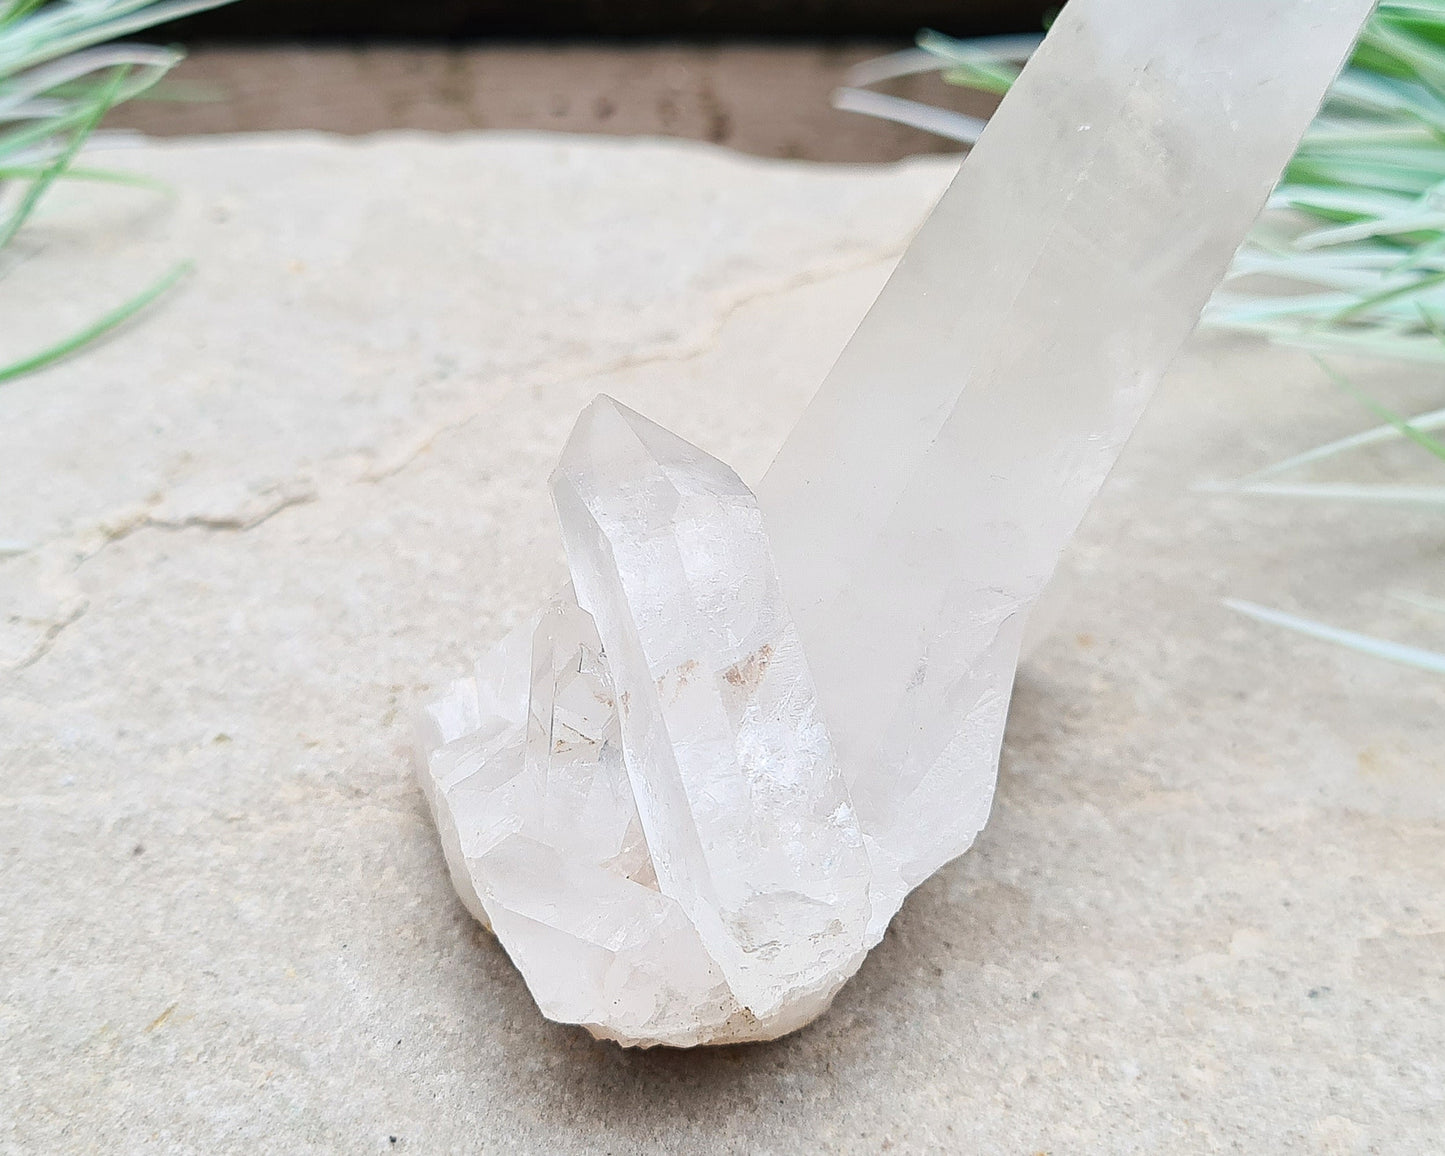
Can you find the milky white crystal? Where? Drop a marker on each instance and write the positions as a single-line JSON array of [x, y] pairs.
[[642, 801], [926, 494], [690, 799], [740, 796], [524, 774]]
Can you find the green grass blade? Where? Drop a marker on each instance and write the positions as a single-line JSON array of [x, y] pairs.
[[96, 329], [1410, 55], [907, 62], [20, 139], [1008, 51], [1384, 413], [1430, 9], [930, 118], [1374, 436], [103, 103], [1384, 494], [66, 82], [1422, 602], [1366, 230], [76, 28], [1398, 652], [1364, 343], [18, 9], [103, 176], [1414, 288]]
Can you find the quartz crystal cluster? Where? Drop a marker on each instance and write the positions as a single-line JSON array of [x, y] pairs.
[[690, 793], [640, 797]]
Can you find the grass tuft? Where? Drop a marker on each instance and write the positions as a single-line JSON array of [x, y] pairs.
[[58, 79]]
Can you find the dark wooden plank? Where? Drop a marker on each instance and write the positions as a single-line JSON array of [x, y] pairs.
[[814, 19]]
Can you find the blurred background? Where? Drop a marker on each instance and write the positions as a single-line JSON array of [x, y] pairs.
[[752, 75]]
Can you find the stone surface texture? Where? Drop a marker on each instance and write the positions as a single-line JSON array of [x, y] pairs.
[[244, 535]]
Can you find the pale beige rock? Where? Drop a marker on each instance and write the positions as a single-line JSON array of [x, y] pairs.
[[1206, 914]]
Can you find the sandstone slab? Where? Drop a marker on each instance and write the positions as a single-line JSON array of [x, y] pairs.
[[246, 534]]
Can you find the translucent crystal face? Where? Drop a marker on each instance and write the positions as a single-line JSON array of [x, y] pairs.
[[542, 835], [711, 858], [745, 809], [928, 490], [573, 747], [689, 800]]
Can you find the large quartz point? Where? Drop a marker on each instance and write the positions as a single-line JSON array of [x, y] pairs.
[[689, 797], [930, 487]]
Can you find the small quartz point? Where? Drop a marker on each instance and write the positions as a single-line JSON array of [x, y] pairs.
[[675, 861], [523, 770], [688, 799], [742, 801]]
